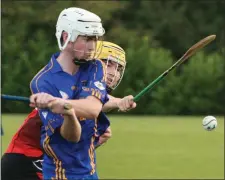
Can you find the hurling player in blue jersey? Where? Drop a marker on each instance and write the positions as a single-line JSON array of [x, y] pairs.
[[69, 145], [113, 57], [71, 74]]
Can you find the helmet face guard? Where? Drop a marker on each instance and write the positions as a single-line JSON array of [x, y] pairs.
[[86, 54], [114, 58]]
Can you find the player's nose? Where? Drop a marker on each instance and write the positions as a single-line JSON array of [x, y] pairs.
[[91, 46]]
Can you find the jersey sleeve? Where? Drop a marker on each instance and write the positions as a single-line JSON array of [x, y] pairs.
[[41, 86], [50, 120], [96, 85]]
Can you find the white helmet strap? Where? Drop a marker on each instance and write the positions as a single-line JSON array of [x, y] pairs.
[[65, 44]]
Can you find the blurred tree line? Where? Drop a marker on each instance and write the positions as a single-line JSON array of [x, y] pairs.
[[153, 33]]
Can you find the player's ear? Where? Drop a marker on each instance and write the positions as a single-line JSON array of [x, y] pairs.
[[64, 37]]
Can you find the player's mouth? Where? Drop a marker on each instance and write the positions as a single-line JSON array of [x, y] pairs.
[[109, 80]]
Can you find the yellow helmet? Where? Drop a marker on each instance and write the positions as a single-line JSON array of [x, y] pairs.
[[115, 59]]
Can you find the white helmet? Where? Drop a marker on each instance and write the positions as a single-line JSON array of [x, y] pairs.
[[77, 21]]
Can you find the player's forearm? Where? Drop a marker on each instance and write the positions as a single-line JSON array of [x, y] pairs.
[[111, 104], [71, 128], [88, 108]]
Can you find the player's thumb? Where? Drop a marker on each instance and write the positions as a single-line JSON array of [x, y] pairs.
[[32, 105], [134, 105], [50, 105], [33, 98]]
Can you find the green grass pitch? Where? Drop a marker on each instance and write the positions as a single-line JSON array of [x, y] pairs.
[[153, 147]]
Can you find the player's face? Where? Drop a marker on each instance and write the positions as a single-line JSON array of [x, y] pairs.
[[113, 73], [84, 47]]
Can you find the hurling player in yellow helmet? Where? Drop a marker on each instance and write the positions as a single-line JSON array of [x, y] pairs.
[[114, 60]]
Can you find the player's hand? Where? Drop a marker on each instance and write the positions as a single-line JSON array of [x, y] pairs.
[[126, 104], [61, 106], [41, 100], [105, 137]]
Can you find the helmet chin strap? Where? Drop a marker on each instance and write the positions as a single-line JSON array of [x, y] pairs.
[[108, 89], [78, 61]]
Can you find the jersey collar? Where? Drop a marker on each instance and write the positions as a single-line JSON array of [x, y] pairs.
[[56, 66]]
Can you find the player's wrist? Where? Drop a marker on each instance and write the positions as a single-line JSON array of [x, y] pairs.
[[70, 113], [117, 102]]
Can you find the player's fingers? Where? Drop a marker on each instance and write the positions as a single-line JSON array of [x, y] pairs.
[[120, 110], [103, 139], [44, 100], [127, 103], [33, 98], [51, 105], [123, 105], [50, 98], [32, 105], [108, 130], [56, 106], [128, 100], [37, 101], [132, 106], [107, 134], [41, 101], [131, 100], [130, 97]]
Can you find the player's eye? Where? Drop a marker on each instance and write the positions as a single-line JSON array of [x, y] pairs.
[[92, 38], [120, 68], [104, 60]]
